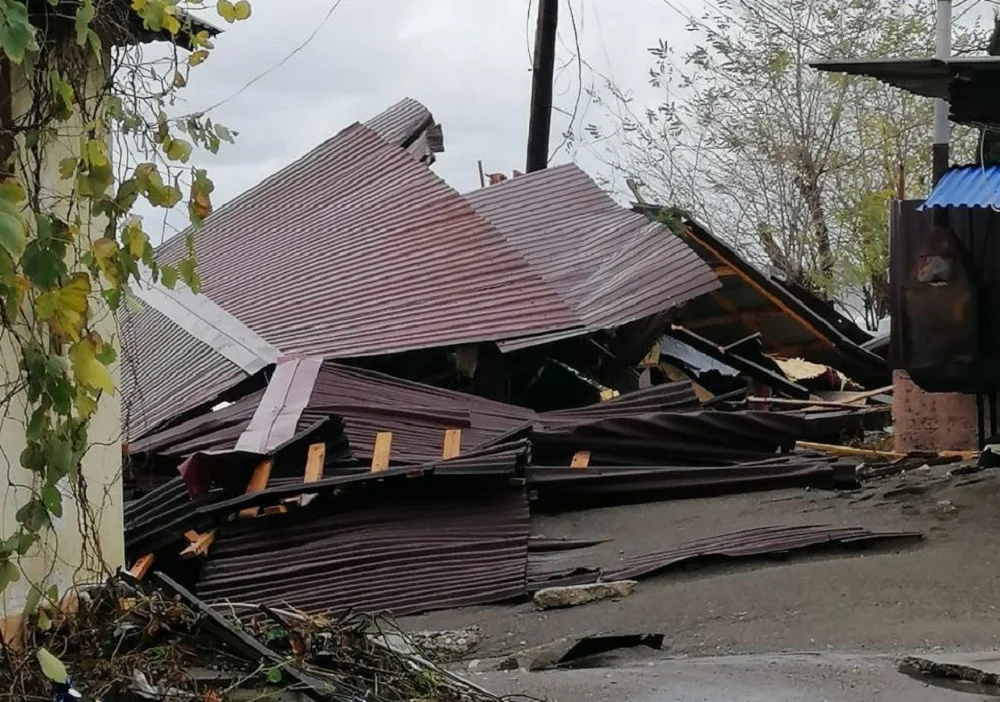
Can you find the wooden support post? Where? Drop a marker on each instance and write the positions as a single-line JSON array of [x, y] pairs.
[[452, 443], [581, 459], [258, 481], [314, 463], [383, 448], [142, 566]]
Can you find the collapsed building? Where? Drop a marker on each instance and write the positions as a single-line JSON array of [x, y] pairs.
[[382, 376]]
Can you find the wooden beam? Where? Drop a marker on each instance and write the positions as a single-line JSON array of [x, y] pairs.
[[724, 271], [581, 459], [200, 546], [761, 289], [258, 481], [142, 566], [314, 463], [383, 448], [452, 443], [748, 318]]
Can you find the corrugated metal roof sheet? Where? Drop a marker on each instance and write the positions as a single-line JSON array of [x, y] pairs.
[[165, 370], [611, 266], [411, 126], [401, 555], [966, 186], [357, 250]]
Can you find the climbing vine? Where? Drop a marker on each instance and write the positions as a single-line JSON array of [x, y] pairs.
[[89, 126]]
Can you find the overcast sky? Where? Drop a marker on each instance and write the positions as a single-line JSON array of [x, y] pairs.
[[467, 60]]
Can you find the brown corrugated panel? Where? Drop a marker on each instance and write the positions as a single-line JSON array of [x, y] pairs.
[[356, 249], [417, 415], [568, 568], [405, 555], [165, 370], [410, 125], [609, 264]]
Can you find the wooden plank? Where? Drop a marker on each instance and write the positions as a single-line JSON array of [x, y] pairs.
[[761, 289], [847, 450], [581, 459], [192, 535], [747, 318], [383, 448], [142, 566], [258, 481], [314, 463], [275, 509], [200, 546], [813, 403], [452, 443]]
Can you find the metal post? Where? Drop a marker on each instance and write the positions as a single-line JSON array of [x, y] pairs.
[[942, 130], [543, 69]]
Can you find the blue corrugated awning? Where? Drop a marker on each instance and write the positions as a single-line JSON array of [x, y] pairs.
[[967, 186]]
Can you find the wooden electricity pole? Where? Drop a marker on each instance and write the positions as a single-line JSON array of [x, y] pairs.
[[543, 68]]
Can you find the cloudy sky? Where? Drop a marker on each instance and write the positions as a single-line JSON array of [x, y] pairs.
[[467, 60]]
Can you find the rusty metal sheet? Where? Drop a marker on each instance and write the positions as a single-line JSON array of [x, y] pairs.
[[405, 556], [560, 488], [357, 250], [567, 568], [609, 265]]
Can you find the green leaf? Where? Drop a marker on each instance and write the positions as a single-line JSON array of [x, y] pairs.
[[197, 57], [12, 190], [17, 35], [274, 675], [52, 499], [44, 622], [37, 424], [226, 10], [67, 168], [52, 667], [84, 15], [9, 573], [59, 457], [31, 601], [189, 275], [88, 370], [97, 152], [13, 234], [62, 94], [242, 10], [168, 276], [65, 308], [33, 516], [178, 150], [44, 265]]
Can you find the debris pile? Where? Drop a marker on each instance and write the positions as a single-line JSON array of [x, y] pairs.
[[373, 425], [124, 642]]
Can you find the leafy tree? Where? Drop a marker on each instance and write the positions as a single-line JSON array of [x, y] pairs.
[[793, 165], [84, 96]]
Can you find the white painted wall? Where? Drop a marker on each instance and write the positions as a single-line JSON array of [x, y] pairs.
[[60, 560]]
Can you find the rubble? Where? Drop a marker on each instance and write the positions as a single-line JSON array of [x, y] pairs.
[[575, 595], [448, 646], [159, 641]]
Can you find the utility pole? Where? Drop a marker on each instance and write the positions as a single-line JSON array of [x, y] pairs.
[[542, 70], [942, 130]]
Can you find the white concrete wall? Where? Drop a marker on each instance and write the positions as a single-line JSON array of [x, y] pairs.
[[60, 559]]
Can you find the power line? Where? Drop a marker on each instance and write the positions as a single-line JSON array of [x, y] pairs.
[[282, 62]]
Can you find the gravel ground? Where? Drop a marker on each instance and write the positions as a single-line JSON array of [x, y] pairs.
[[941, 593], [767, 678]]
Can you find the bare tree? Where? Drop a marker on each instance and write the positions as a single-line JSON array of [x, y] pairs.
[[794, 166]]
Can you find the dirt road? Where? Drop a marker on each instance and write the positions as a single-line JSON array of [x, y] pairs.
[[941, 594]]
